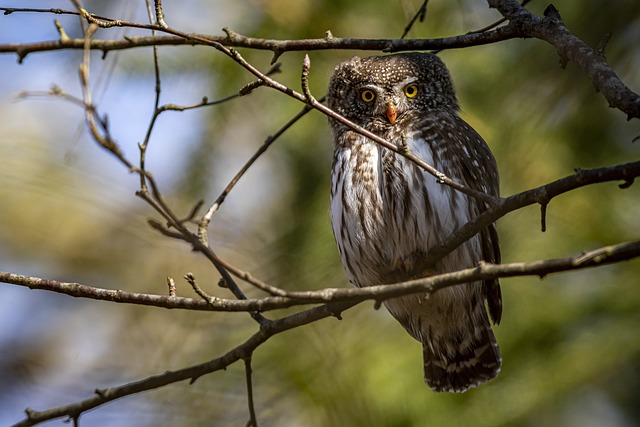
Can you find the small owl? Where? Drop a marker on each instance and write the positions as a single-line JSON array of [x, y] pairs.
[[387, 212]]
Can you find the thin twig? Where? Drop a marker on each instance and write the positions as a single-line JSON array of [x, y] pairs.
[[202, 294], [253, 420], [160, 14], [206, 219], [420, 15], [158, 90], [171, 284]]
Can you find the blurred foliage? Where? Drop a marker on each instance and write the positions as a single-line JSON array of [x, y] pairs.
[[570, 342]]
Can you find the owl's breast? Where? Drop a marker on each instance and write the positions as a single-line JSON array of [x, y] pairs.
[[386, 211]]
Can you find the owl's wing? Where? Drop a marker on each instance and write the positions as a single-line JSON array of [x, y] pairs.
[[476, 168]]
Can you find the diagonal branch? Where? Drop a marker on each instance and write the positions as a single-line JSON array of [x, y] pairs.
[[402, 151], [542, 195], [594, 64], [192, 373]]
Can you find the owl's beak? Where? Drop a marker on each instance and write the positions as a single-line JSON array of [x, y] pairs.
[[392, 112]]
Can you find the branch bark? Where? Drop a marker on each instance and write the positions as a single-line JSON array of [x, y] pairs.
[[233, 39], [593, 62], [605, 255]]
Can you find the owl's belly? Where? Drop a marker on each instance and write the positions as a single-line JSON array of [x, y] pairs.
[[387, 212]]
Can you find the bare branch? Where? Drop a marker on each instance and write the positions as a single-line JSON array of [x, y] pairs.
[[346, 298], [601, 256], [441, 177], [542, 195], [206, 219], [419, 16], [522, 23], [98, 126], [282, 299], [158, 90], [253, 420], [192, 373], [233, 39], [552, 30]]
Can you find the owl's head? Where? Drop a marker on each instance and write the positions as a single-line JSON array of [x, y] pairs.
[[383, 90]]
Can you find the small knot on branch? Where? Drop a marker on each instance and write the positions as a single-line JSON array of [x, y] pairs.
[[31, 413], [553, 14], [335, 312], [276, 55], [231, 35], [602, 45]]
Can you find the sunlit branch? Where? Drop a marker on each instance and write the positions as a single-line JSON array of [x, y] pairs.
[[597, 257]]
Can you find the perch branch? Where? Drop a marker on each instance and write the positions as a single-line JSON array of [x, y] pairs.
[[592, 62]]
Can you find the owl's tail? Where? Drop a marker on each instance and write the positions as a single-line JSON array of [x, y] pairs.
[[462, 362]]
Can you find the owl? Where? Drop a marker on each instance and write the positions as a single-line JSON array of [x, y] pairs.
[[387, 212]]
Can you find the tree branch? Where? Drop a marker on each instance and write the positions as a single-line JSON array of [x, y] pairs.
[[342, 300], [542, 195], [594, 64], [594, 258], [522, 24], [233, 39], [192, 373]]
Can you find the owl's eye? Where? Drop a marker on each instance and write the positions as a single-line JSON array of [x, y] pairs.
[[367, 95], [411, 90]]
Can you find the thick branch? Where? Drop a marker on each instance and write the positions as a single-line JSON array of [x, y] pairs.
[[594, 64], [233, 39]]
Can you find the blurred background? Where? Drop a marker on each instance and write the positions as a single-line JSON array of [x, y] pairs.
[[570, 342]]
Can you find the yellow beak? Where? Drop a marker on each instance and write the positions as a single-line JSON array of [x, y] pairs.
[[392, 113]]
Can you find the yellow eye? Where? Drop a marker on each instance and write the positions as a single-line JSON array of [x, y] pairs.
[[411, 90], [367, 95]]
